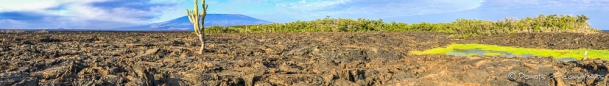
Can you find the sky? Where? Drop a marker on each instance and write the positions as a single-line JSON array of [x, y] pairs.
[[97, 14]]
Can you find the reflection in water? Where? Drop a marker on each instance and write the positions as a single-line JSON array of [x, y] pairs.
[[480, 52]]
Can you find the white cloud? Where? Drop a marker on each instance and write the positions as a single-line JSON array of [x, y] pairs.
[[38, 5], [25, 5], [85, 13]]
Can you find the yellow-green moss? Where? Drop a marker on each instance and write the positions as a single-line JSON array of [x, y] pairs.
[[576, 53]]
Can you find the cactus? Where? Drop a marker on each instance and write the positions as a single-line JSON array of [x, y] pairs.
[[197, 19]]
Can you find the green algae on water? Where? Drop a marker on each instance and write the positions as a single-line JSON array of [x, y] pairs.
[[494, 50]]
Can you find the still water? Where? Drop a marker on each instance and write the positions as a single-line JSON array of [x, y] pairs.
[[480, 52]]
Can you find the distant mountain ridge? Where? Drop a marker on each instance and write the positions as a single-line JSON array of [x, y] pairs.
[[183, 24]]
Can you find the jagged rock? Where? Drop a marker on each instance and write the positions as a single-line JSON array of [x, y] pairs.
[[26, 42]]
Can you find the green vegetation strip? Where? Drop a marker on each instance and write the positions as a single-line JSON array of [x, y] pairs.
[[460, 28], [577, 53]]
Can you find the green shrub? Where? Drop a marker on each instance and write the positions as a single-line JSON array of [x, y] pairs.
[[460, 27]]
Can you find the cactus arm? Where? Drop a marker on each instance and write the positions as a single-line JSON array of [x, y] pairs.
[[204, 11], [196, 7], [189, 17], [202, 14]]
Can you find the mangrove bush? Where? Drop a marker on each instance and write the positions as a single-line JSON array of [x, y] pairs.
[[460, 27]]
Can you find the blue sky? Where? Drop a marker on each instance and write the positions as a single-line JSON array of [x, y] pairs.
[[122, 13]]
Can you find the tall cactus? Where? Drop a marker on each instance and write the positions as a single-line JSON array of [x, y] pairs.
[[198, 20]]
